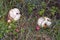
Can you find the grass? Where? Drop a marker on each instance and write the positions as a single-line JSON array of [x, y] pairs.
[[27, 23]]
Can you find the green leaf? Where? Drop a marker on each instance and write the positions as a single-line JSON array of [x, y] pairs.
[[41, 12], [1, 35], [7, 31], [53, 10], [22, 30], [43, 4], [30, 7]]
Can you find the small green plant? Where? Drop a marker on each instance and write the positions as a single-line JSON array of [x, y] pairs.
[[4, 27], [53, 10], [41, 12], [30, 7], [43, 4]]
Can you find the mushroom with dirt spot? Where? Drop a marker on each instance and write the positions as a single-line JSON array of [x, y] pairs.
[[44, 22]]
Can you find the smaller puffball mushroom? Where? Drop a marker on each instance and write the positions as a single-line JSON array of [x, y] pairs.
[[13, 14], [44, 22]]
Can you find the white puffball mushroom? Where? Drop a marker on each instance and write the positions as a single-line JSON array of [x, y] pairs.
[[14, 14], [40, 20], [44, 22]]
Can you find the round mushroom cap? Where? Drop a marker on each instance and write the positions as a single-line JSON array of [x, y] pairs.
[[40, 20], [44, 21], [15, 14]]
